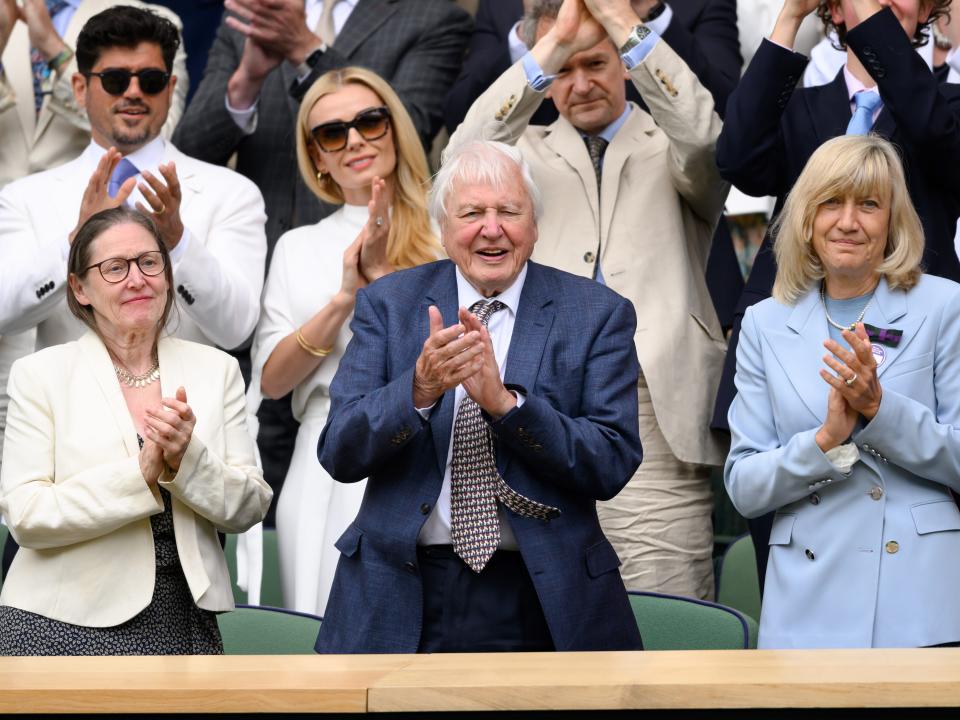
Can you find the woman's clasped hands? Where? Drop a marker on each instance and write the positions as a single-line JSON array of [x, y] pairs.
[[854, 387], [169, 428], [365, 260]]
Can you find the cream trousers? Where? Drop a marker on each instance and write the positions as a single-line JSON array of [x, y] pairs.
[[661, 522]]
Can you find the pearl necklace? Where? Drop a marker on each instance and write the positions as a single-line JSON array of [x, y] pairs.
[[138, 381], [853, 326]]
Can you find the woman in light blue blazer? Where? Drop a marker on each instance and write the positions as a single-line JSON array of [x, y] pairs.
[[847, 415]]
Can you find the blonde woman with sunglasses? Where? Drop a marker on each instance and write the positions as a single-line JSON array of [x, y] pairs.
[[356, 146]]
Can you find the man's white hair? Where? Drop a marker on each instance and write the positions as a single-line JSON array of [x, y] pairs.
[[487, 162]]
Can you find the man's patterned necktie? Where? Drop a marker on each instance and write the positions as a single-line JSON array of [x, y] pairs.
[[475, 483], [41, 71]]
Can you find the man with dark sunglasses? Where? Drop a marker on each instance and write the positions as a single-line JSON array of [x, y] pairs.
[[41, 124], [211, 218]]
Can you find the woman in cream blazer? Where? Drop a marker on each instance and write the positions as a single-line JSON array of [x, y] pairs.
[[119, 549]]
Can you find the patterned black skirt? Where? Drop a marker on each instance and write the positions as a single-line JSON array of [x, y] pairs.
[[171, 624]]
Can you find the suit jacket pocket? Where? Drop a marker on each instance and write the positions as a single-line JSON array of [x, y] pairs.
[[782, 530], [936, 516], [601, 558], [902, 366], [349, 543]]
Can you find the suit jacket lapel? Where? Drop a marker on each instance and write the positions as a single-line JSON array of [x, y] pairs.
[[95, 355], [823, 105], [566, 142], [365, 18], [530, 331], [799, 350], [443, 294], [889, 309], [172, 372], [630, 141]]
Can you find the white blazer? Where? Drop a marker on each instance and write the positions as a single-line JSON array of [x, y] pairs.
[[31, 143], [74, 497], [218, 277]]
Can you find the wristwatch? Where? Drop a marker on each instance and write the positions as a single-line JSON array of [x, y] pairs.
[[304, 68], [636, 36]]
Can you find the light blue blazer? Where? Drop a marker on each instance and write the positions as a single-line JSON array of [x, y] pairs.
[[870, 558]]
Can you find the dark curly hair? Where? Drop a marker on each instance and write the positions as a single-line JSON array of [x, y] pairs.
[[125, 26], [938, 8]]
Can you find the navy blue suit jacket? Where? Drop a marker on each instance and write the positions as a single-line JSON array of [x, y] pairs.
[[771, 131], [574, 441]]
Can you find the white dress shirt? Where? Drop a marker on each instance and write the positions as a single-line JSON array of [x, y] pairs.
[[436, 530]]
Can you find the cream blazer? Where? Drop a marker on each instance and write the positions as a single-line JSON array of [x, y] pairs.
[[62, 131], [73, 495], [661, 198]]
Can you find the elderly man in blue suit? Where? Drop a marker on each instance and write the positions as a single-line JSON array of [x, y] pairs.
[[488, 433]]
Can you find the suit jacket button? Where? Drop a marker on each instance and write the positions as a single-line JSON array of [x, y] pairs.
[[589, 257], [892, 547], [809, 553], [410, 567], [815, 499], [425, 508], [876, 492]]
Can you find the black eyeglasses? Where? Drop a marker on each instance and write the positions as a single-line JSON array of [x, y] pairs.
[[115, 270], [372, 124], [116, 82]]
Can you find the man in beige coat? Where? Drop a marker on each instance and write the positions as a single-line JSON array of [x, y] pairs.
[[631, 199]]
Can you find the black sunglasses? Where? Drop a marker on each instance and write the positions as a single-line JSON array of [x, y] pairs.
[[116, 82], [115, 270], [372, 124]]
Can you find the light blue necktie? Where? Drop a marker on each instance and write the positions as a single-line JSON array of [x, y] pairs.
[[124, 170], [862, 120]]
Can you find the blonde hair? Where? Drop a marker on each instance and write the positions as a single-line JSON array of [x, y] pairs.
[[847, 166], [412, 241]]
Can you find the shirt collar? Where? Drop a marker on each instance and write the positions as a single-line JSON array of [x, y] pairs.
[[854, 85], [467, 294], [147, 157], [610, 130]]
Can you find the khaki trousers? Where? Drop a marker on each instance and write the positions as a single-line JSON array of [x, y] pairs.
[[660, 524]]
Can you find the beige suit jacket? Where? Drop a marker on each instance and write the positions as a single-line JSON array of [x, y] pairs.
[[61, 132], [73, 495], [661, 199]]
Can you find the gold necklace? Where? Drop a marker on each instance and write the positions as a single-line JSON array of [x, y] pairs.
[[853, 326], [138, 381]]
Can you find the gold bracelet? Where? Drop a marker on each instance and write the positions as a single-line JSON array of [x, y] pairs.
[[312, 349]]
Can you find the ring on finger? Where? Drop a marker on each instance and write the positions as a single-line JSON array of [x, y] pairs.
[[160, 211], [851, 380], [379, 221]]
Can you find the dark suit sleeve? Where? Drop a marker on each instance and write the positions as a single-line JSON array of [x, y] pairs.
[[206, 131], [751, 150], [926, 121], [710, 45], [487, 57], [425, 71], [596, 452], [372, 417]]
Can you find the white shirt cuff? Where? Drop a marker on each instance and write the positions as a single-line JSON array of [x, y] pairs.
[[246, 120], [843, 457], [177, 253]]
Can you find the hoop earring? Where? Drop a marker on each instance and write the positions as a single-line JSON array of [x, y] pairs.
[[319, 176]]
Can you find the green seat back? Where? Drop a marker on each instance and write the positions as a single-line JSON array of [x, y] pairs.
[[737, 585], [250, 630], [668, 622], [271, 592]]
